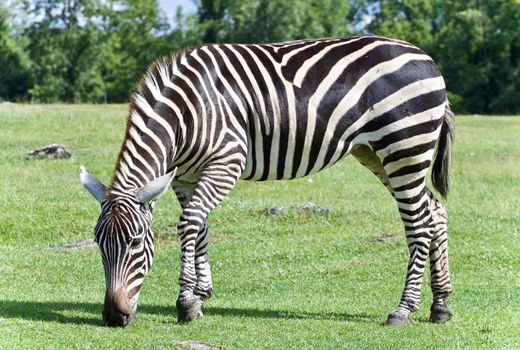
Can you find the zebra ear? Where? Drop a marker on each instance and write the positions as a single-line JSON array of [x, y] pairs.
[[156, 188], [93, 185]]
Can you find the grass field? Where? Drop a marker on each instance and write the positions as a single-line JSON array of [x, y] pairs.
[[293, 281]]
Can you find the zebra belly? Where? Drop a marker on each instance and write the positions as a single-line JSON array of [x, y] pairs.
[[294, 158]]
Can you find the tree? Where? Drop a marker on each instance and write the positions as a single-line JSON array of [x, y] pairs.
[[476, 44], [15, 68], [262, 21], [480, 59], [64, 49], [135, 37], [411, 20], [96, 50]]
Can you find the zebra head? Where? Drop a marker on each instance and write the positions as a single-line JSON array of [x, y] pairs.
[[124, 235]]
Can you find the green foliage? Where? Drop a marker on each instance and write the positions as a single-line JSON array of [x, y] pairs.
[[292, 281], [261, 21], [480, 46], [475, 43], [64, 51], [96, 50], [411, 20], [15, 67], [134, 29]]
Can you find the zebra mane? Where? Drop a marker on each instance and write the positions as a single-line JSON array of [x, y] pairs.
[[153, 80]]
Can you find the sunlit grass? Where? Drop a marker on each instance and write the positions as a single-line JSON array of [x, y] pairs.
[[296, 280]]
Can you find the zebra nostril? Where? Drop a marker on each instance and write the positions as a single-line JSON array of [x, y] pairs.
[[127, 318], [117, 318]]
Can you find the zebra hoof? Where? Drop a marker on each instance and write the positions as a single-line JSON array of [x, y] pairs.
[[189, 310], [397, 320], [440, 314]]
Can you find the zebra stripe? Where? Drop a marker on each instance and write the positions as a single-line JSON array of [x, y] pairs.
[[218, 113], [119, 228]]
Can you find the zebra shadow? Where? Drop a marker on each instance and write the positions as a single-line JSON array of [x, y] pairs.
[[286, 314], [61, 312], [68, 312], [81, 313]]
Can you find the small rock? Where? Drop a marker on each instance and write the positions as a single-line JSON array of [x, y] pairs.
[[53, 151], [310, 206], [384, 237], [505, 154], [274, 210], [195, 344], [171, 230], [322, 211], [307, 206]]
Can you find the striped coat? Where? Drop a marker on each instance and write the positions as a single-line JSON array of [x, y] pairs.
[[217, 113]]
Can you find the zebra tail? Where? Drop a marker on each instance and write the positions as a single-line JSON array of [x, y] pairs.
[[441, 164]]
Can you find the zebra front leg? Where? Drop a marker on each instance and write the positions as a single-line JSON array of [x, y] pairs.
[[204, 286], [189, 306], [439, 267], [195, 277]]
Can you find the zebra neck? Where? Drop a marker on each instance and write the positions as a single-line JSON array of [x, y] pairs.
[[131, 174], [155, 130], [140, 164]]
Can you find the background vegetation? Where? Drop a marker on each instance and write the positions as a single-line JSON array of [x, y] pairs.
[[293, 281], [95, 50]]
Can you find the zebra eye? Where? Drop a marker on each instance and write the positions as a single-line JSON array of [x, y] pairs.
[[136, 242], [144, 208]]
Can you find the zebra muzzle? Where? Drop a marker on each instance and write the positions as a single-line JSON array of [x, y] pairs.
[[117, 311]]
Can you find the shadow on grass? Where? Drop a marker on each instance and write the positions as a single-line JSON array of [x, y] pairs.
[[63, 312], [52, 311], [260, 313]]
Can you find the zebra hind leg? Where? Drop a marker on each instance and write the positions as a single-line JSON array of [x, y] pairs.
[[399, 173], [406, 168], [415, 212], [439, 267], [368, 158]]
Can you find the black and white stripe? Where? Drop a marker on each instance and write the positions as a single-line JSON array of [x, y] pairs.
[[126, 243], [217, 113]]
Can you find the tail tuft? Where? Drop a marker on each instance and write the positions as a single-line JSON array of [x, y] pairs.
[[441, 164]]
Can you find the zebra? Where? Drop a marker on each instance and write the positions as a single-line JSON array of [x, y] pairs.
[[205, 117]]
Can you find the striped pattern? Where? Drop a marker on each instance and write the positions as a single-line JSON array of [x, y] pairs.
[[126, 241], [218, 113]]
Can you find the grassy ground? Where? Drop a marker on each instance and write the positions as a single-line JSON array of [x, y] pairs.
[[295, 280]]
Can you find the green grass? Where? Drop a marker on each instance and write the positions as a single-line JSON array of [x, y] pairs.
[[292, 281]]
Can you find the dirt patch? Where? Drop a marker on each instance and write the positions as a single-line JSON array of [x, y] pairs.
[[506, 155], [168, 241], [196, 344], [385, 237], [307, 207]]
